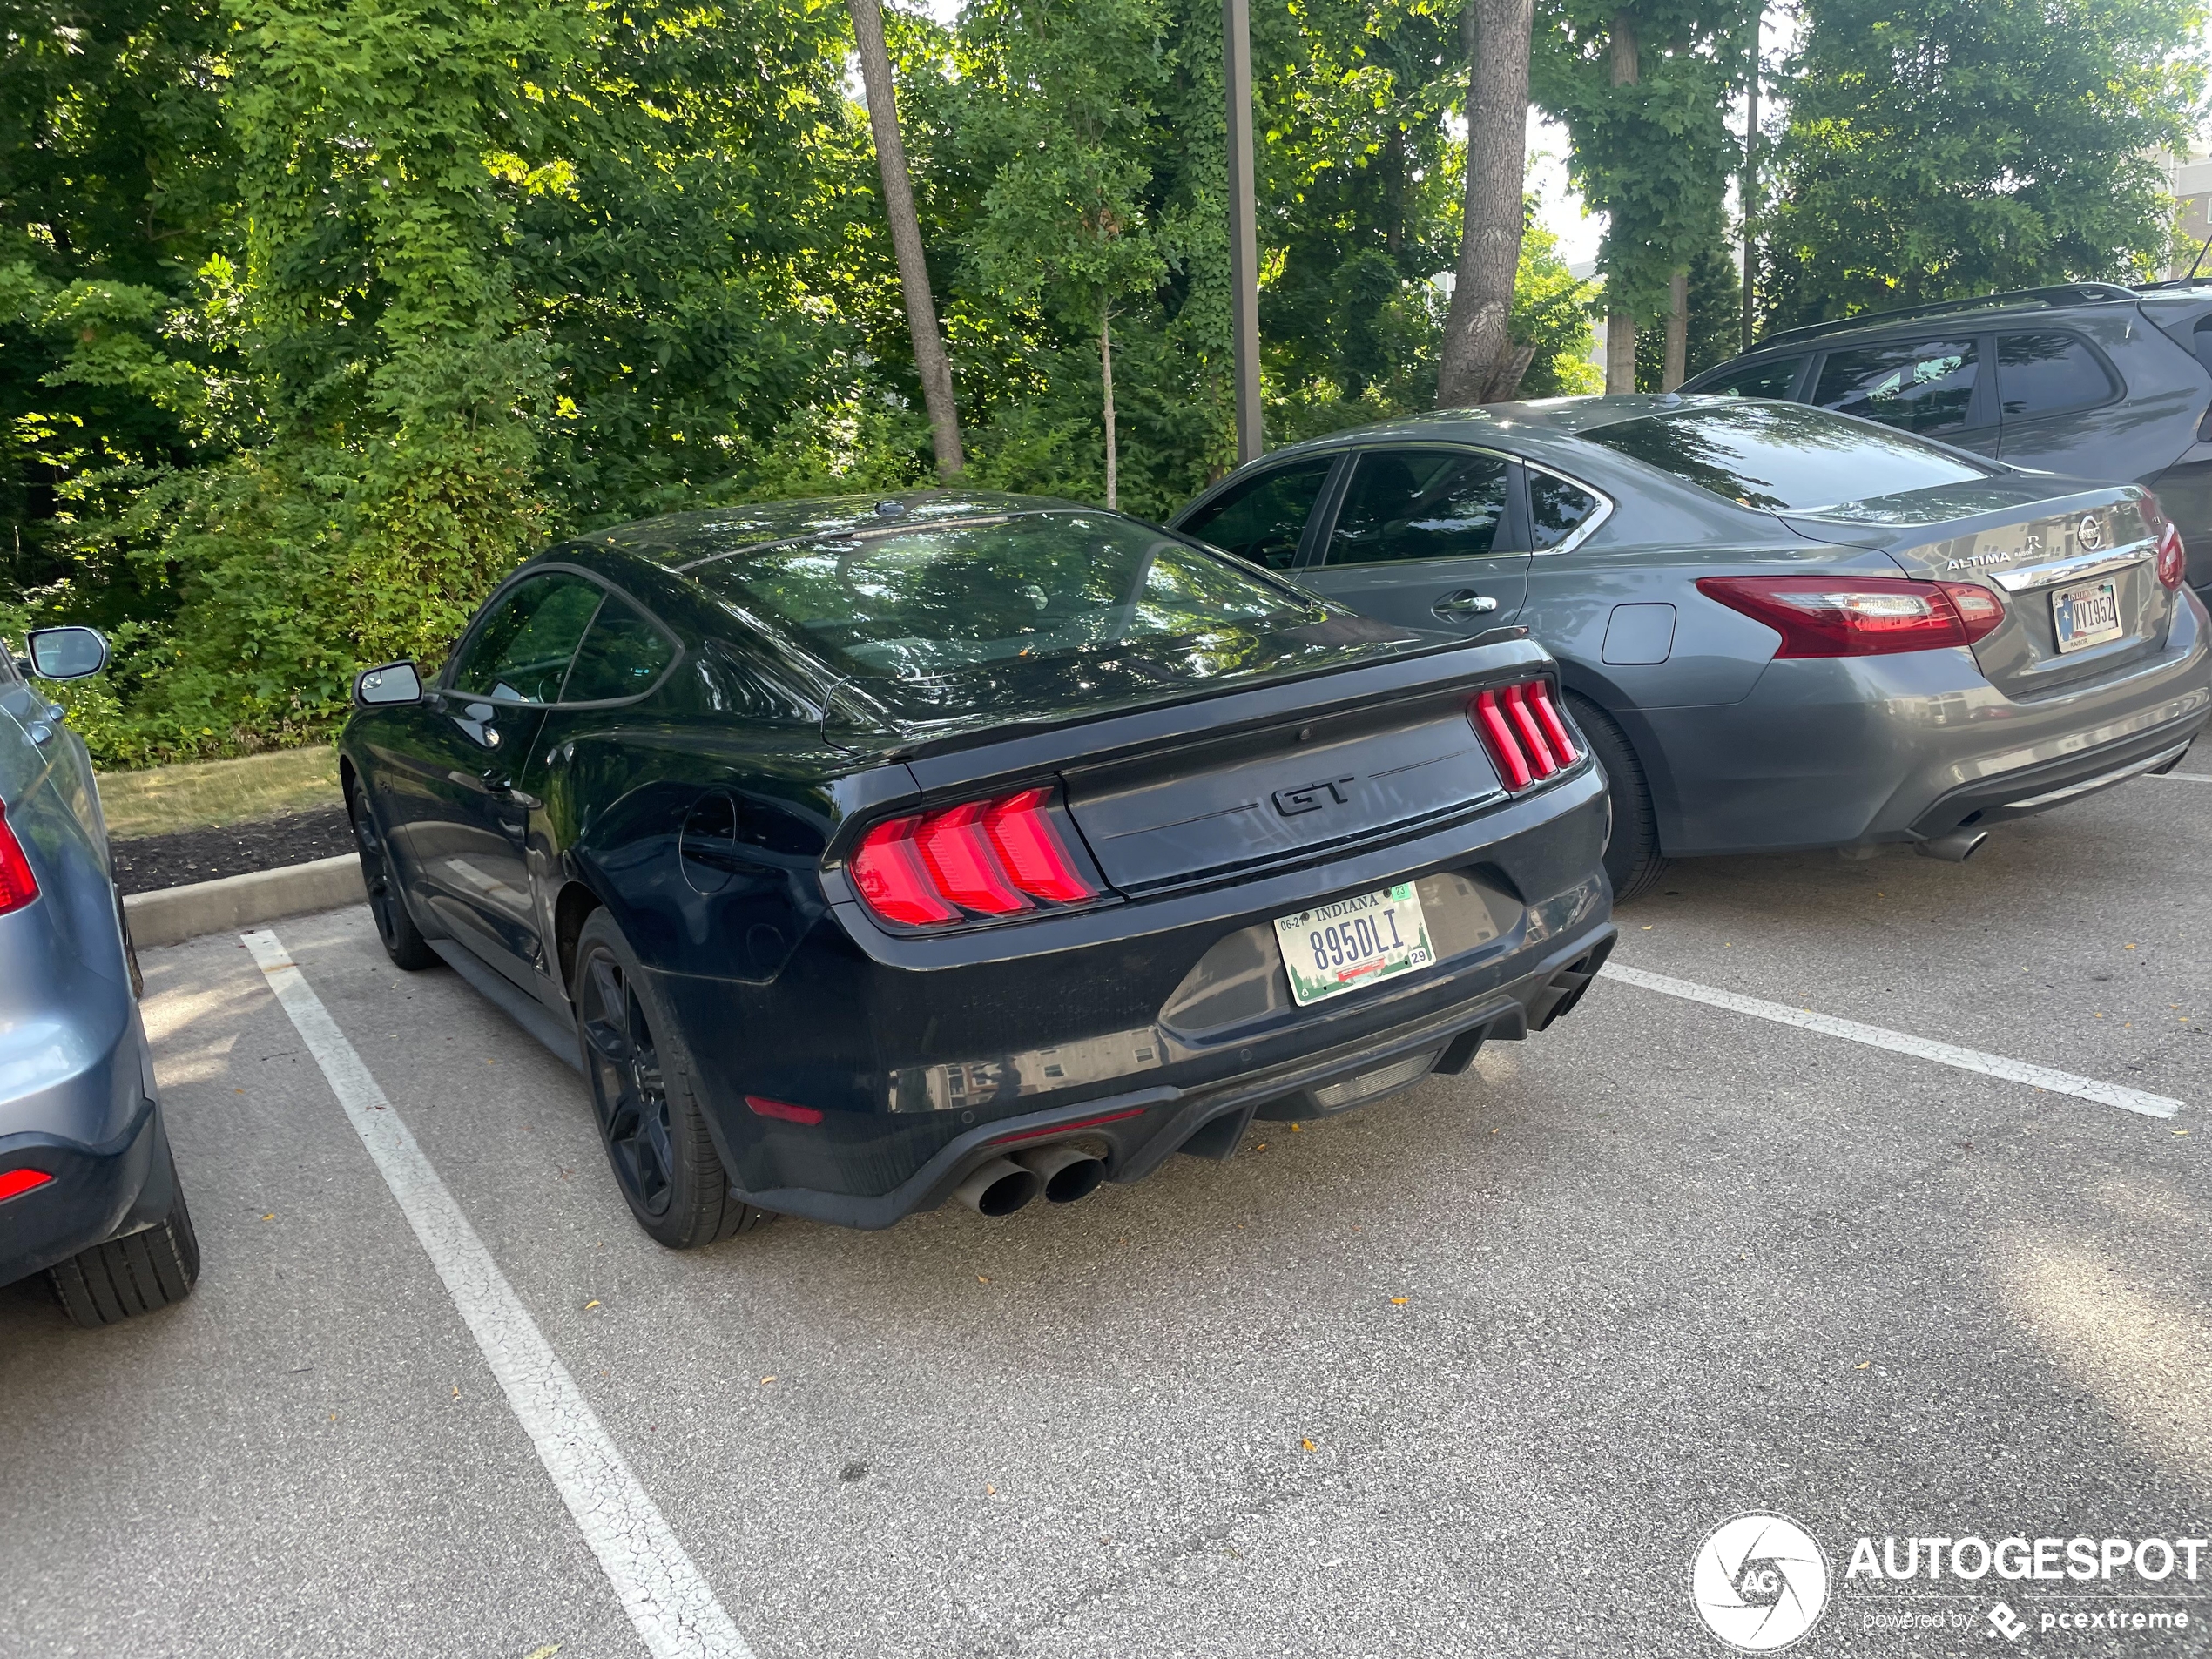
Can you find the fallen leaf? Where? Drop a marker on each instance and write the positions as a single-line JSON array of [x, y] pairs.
[[1309, 1446], [989, 1491], [2127, 947], [270, 1217], [1399, 1301], [593, 1303], [1862, 1364], [456, 1391], [980, 1279], [1295, 1130], [1647, 926], [2181, 1131], [545, 1652], [765, 1380]]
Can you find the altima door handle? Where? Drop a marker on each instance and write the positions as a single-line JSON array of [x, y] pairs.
[[1463, 604]]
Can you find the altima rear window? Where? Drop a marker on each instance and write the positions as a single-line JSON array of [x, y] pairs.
[[909, 603], [1782, 457]]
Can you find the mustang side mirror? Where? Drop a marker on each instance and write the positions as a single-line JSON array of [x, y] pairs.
[[392, 683], [65, 653]]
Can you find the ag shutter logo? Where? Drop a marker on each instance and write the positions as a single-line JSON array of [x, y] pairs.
[[1759, 1582]]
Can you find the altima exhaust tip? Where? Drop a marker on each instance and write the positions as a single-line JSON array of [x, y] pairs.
[[1068, 1172], [1954, 848], [998, 1188]]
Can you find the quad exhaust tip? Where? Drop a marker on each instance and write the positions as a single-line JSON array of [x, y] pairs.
[[998, 1188], [1068, 1172], [1954, 848]]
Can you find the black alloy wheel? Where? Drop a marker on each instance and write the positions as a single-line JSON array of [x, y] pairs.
[[627, 1086], [649, 1119], [396, 929]]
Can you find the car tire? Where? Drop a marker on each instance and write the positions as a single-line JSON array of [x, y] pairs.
[[396, 930], [651, 1123], [134, 1274], [1632, 856]]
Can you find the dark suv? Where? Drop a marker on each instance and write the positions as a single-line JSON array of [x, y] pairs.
[[2092, 379]]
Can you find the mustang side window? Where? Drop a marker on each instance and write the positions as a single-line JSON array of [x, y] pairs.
[[1923, 386], [521, 652], [1419, 504], [622, 656], [1261, 521]]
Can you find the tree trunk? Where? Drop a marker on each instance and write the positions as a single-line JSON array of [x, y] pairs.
[[1478, 349], [1620, 323], [905, 236], [1749, 194], [1675, 369], [1106, 381]]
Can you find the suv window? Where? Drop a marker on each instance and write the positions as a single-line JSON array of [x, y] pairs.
[[1782, 457], [623, 655], [1419, 504], [1772, 378], [521, 650], [1923, 386], [1556, 509], [2047, 374], [1261, 520]]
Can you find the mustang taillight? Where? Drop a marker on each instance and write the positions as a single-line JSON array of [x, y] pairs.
[[18, 886], [1859, 616], [1519, 726], [984, 858]]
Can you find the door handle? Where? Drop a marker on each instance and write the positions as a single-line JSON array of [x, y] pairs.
[[1463, 604], [495, 780]]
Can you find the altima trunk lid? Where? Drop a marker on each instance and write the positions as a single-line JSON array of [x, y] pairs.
[[2073, 565]]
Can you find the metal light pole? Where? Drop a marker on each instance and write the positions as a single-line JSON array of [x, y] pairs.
[[1243, 239]]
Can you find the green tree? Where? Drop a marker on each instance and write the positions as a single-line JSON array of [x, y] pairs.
[[1938, 148]]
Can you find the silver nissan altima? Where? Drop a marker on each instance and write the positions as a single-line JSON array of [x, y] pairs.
[[1779, 626]]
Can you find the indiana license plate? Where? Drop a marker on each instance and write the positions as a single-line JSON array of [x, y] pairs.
[[2085, 616], [1336, 948]]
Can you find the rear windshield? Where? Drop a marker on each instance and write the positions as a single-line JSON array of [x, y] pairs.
[[1782, 457], [931, 600]]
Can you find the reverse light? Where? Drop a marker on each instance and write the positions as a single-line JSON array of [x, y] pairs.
[[18, 886], [1521, 728], [1003, 857], [16, 1183], [1859, 616]]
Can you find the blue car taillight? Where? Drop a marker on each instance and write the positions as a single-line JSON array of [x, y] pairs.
[[18, 886]]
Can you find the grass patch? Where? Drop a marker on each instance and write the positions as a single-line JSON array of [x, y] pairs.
[[212, 793]]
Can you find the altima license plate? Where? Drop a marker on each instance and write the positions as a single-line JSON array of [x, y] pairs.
[[2087, 616], [1338, 948]]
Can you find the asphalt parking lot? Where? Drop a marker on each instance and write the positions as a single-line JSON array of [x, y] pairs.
[[1469, 1372]]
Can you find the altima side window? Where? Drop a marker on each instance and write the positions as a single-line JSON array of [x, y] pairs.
[[521, 651], [623, 655], [1556, 509], [1419, 504], [1262, 520], [1923, 386]]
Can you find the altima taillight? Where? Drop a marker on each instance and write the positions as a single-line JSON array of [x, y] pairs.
[[2173, 558], [1003, 857], [18, 886], [1521, 728], [1859, 616]]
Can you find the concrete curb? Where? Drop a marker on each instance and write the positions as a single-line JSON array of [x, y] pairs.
[[174, 914]]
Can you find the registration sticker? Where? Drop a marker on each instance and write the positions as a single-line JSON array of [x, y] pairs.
[[1339, 947]]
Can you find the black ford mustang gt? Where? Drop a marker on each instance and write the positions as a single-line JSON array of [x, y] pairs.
[[870, 852]]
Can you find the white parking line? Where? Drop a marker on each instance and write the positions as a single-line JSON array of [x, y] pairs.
[[2183, 776], [1875, 1036], [660, 1587]]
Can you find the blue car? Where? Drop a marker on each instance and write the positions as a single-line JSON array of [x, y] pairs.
[[88, 1188]]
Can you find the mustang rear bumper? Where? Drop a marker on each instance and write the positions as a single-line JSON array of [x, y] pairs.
[[1141, 1128]]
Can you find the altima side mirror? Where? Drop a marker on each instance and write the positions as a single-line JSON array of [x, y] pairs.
[[65, 653], [375, 688]]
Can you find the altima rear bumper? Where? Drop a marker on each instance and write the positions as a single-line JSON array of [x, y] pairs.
[[1139, 1130]]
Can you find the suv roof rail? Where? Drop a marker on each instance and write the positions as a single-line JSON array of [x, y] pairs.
[[2064, 293]]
